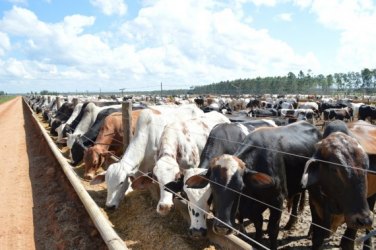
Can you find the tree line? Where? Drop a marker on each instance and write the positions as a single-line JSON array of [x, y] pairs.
[[363, 82]]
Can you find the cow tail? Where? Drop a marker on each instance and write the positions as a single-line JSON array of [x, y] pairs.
[[302, 201]]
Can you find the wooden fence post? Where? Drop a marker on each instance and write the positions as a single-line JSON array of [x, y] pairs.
[[58, 103], [75, 102], [127, 122]]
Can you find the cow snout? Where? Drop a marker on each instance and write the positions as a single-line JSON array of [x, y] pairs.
[[164, 209], [110, 208], [359, 221], [195, 233], [221, 229], [89, 176]]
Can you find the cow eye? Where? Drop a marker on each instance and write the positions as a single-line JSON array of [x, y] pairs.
[[121, 183]]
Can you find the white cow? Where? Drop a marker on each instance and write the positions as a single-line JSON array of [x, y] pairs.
[[355, 108], [180, 147], [198, 202], [139, 156]]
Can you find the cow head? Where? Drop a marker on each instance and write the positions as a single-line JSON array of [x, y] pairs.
[[117, 181], [54, 125], [93, 159], [198, 202], [337, 169], [165, 171], [71, 139], [227, 176], [59, 131]]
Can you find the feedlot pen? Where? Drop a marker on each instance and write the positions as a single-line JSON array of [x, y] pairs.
[[140, 227]]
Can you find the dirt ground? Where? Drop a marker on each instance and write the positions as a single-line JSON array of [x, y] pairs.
[[39, 210]]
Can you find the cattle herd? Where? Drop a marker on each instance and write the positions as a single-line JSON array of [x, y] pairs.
[[232, 158]]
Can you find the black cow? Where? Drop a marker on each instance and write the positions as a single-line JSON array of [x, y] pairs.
[[338, 114], [266, 112], [366, 111], [339, 188], [88, 139], [326, 105], [267, 167], [253, 103], [62, 115]]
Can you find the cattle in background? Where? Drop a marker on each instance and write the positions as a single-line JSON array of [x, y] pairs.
[[139, 156], [253, 103], [326, 105], [82, 142], [355, 108], [199, 101], [309, 105], [338, 114], [367, 111], [268, 167], [62, 115], [180, 147], [337, 190], [109, 142], [265, 112]]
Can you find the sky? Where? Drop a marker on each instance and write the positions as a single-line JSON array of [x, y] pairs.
[[108, 45]]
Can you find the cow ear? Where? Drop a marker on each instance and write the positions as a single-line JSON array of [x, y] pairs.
[[258, 180], [310, 174], [198, 181], [174, 186], [142, 182], [100, 178]]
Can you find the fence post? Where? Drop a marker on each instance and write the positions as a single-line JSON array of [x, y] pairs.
[[58, 103], [75, 102], [127, 122]]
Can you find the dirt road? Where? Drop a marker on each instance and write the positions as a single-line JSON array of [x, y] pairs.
[[38, 210], [16, 211]]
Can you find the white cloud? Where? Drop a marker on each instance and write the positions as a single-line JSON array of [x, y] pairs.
[[110, 7], [212, 44], [4, 43], [17, 1], [355, 20], [287, 17], [180, 43]]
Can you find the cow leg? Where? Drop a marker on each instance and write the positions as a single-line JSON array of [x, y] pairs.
[[273, 225], [294, 212], [258, 220], [318, 223], [347, 240], [367, 245]]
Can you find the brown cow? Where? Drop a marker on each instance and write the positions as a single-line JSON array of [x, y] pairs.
[[340, 192], [109, 141]]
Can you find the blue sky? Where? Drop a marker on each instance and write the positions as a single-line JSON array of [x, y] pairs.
[[92, 45]]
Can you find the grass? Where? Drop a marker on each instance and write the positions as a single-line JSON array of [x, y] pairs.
[[6, 98]]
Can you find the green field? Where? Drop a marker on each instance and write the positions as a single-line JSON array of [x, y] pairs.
[[6, 98]]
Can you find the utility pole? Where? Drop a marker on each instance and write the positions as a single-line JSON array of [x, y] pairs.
[[161, 90], [122, 92], [237, 88]]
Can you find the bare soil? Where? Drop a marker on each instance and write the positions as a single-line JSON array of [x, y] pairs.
[[39, 209]]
